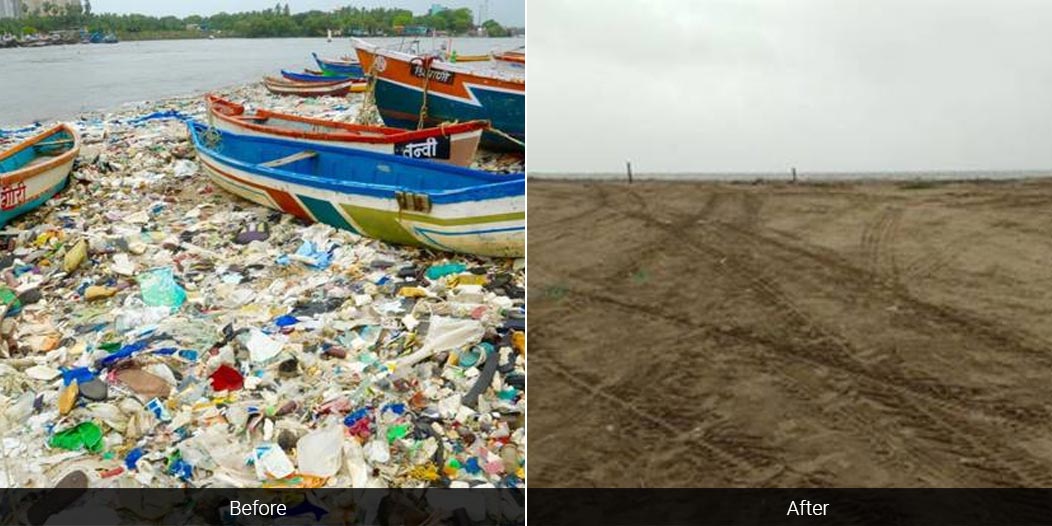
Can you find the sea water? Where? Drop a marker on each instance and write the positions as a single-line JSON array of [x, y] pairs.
[[59, 82]]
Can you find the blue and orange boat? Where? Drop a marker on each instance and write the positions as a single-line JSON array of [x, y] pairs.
[[36, 169], [388, 197], [454, 92], [341, 67]]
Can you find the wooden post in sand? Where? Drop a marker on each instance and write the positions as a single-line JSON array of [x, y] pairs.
[[628, 164], [794, 174]]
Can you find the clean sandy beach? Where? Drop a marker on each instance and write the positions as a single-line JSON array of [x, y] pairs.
[[842, 334]]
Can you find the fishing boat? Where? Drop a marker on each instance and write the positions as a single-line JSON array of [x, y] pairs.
[[36, 169], [346, 67], [454, 92], [387, 197], [316, 76], [454, 144], [334, 88], [512, 57]]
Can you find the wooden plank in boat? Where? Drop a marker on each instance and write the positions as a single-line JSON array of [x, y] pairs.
[[298, 156]]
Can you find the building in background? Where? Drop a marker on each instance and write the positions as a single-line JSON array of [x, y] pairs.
[[10, 8], [37, 7], [436, 9]]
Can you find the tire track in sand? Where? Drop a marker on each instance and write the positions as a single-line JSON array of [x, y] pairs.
[[876, 245], [930, 411]]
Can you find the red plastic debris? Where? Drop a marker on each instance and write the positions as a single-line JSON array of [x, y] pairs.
[[112, 473], [226, 378]]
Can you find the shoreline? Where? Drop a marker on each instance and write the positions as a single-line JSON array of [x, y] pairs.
[[122, 110], [814, 178]]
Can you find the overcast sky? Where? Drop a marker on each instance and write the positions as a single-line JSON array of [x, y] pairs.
[[763, 85], [507, 12]]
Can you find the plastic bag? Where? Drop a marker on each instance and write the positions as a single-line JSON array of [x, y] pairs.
[[160, 289]]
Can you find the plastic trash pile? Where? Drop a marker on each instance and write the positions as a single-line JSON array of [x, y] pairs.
[[158, 331]]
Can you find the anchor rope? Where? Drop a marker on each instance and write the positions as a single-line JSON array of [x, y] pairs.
[[427, 81]]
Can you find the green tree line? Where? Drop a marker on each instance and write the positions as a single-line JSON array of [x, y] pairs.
[[276, 22]]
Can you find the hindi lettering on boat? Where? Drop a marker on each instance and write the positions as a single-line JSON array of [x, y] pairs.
[[427, 148], [12, 196], [437, 75]]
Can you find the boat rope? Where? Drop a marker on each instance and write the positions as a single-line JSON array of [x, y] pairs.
[[211, 135], [426, 63], [368, 112], [506, 136]]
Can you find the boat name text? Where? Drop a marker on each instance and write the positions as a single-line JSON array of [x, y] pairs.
[[12, 196], [437, 75], [431, 148]]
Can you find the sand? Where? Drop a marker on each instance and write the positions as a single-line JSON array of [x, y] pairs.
[[778, 335]]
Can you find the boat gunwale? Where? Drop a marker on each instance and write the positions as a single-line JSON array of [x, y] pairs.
[[26, 172], [338, 63], [499, 182]]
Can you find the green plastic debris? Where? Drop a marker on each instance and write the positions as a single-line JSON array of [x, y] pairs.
[[85, 435], [437, 271], [396, 432], [10, 298], [159, 288], [110, 346]]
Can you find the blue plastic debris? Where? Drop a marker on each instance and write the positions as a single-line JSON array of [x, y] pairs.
[[188, 354], [82, 375], [317, 258], [354, 417], [158, 409], [397, 409], [286, 320], [133, 457], [123, 352], [180, 468]]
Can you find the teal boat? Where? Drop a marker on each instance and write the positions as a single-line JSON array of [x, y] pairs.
[[36, 169]]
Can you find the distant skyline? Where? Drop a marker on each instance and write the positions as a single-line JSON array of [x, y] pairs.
[[505, 12]]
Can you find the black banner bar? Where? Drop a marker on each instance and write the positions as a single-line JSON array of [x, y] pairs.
[[251, 507], [884, 507]]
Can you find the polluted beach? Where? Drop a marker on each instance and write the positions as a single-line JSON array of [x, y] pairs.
[[188, 304]]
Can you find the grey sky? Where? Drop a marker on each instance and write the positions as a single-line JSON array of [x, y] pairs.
[[507, 12], [762, 85]]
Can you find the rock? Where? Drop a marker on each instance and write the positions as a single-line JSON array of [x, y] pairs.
[[95, 390]]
